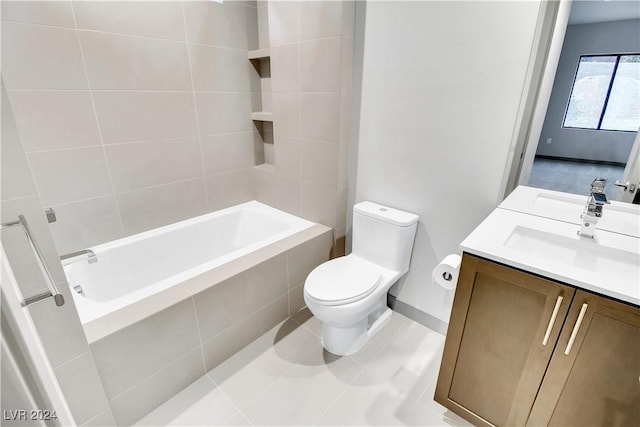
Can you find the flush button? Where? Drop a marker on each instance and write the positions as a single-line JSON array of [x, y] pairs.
[[382, 209]]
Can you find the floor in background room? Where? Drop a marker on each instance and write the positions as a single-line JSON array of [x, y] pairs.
[[572, 177], [285, 378]]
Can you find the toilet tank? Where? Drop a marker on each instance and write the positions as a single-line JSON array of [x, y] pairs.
[[383, 235]]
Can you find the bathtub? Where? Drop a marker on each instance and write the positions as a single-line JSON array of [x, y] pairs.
[[139, 275]]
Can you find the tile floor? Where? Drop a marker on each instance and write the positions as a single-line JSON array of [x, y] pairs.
[[572, 177], [285, 378]]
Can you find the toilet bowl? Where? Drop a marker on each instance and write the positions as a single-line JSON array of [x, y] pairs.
[[349, 294]]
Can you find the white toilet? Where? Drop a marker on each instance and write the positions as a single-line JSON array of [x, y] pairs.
[[349, 294]]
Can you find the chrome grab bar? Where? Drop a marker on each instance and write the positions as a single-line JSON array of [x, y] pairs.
[[91, 256], [51, 284]]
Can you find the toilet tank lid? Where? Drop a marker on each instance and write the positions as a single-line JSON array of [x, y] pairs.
[[385, 213]]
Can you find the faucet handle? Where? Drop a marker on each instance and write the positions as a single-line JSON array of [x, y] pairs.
[[598, 184]]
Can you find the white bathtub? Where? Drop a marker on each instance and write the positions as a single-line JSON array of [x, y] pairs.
[[136, 268]]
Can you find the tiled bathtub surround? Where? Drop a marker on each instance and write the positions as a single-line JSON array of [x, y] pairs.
[[138, 114], [133, 114], [146, 363]]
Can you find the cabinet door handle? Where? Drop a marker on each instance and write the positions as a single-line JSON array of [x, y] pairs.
[[552, 320], [583, 310]]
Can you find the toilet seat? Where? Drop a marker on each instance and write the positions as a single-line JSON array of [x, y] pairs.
[[342, 280]]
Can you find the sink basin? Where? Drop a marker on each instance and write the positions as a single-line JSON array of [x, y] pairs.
[[585, 254], [608, 264], [618, 217]]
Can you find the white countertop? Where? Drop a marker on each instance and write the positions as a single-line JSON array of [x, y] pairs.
[[609, 264]]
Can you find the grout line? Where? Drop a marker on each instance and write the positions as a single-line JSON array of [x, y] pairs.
[[108, 410], [195, 313], [150, 91], [95, 115], [195, 108], [66, 362], [173, 362]]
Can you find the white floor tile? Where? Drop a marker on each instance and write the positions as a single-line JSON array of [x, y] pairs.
[[304, 391], [285, 378], [410, 360], [369, 400], [200, 404]]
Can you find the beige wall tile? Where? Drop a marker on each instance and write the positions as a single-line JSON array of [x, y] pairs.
[[320, 19], [139, 116], [119, 62], [346, 66], [277, 190], [227, 303], [346, 107], [320, 116], [163, 20], [263, 26], [229, 152], [31, 57], [15, 174], [132, 354], [55, 119], [341, 208], [320, 67], [285, 68], [286, 114], [284, 22], [318, 203], [229, 189], [229, 24], [287, 156], [307, 256], [59, 328], [153, 207], [319, 162], [141, 399], [296, 299], [56, 13], [348, 18], [224, 112], [343, 164], [226, 344], [86, 223], [82, 388], [67, 175], [143, 164], [222, 70]]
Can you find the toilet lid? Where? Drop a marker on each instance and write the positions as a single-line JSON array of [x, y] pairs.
[[342, 280]]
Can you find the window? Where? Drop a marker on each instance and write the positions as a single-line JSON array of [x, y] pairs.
[[605, 93]]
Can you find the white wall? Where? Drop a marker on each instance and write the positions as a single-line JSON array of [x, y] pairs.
[[440, 88]]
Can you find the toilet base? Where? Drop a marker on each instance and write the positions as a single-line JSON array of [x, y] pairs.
[[346, 341]]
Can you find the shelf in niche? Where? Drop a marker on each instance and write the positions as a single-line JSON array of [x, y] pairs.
[[259, 53], [262, 116], [266, 167]]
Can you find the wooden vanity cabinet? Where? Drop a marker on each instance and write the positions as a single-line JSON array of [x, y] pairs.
[[504, 361], [597, 380]]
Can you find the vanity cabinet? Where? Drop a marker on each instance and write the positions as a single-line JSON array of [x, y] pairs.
[[504, 360]]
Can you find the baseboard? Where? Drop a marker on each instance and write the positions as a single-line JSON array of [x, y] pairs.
[[569, 159], [421, 317]]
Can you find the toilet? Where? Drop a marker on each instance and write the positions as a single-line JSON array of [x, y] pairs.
[[349, 294]]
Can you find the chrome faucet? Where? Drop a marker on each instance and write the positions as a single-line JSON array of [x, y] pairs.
[[593, 210], [68, 258]]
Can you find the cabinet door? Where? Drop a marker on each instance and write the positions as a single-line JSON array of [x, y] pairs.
[[494, 357], [596, 380]]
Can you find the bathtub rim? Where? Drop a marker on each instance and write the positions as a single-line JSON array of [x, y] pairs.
[[119, 319]]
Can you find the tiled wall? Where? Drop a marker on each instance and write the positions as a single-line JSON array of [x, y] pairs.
[[133, 114], [59, 328], [145, 364], [137, 114], [311, 46]]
